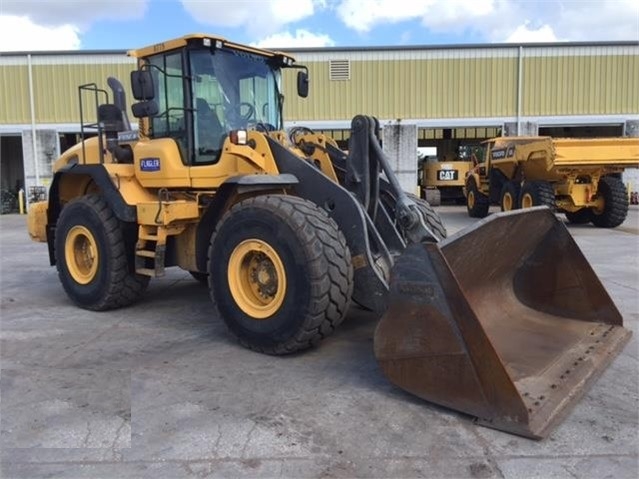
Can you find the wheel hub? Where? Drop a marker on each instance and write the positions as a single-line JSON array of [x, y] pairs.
[[471, 199], [508, 202], [81, 254], [264, 276], [257, 279], [527, 201]]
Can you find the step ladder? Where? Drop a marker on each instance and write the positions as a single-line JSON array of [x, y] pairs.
[[150, 250]]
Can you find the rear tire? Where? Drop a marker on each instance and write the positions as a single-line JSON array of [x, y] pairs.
[[94, 256], [579, 217], [509, 197], [477, 203], [537, 193], [615, 207], [280, 273]]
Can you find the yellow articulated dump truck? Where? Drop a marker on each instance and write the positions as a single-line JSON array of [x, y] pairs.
[[287, 230], [579, 177]]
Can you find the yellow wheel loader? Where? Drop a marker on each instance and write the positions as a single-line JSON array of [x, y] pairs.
[[576, 176], [287, 230]]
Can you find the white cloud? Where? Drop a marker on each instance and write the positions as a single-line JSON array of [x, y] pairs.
[[501, 20], [364, 15], [58, 24], [21, 34], [301, 39], [74, 12], [258, 17], [523, 34], [458, 15]]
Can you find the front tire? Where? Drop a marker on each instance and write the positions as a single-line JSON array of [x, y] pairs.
[[615, 203], [280, 273], [477, 203], [93, 251], [433, 220]]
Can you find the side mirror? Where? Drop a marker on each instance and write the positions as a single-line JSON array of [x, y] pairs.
[[145, 109], [142, 85], [302, 84]]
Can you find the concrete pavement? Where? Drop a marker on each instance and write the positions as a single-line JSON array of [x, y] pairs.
[[161, 390]]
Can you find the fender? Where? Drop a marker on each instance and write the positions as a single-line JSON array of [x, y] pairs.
[[232, 187], [102, 179]]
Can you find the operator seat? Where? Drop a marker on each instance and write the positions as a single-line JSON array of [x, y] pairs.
[[209, 128]]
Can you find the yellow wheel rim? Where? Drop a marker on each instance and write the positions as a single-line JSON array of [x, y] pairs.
[[507, 202], [471, 199], [257, 278], [81, 253], [526, 201]]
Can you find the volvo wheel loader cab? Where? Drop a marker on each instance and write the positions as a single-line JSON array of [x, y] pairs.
[[287, 230]]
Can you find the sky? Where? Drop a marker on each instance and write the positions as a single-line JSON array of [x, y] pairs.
[[36, 25]]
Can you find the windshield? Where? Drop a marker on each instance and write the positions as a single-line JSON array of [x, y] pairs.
[[231, 90]]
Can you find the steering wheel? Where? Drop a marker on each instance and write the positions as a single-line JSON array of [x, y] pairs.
[[298, 131], [250, 110], [260, 126]]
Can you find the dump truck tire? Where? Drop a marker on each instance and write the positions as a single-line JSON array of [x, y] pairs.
[[579, 217], [94, 256], [615, 208], [509, 197], [280, 273], [476, 202], [537, 193], [433, 220]]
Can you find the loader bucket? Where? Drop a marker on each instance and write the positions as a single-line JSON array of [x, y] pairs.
[[505, 321]]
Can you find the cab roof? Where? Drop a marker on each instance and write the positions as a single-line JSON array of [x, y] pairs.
[[214, 40]]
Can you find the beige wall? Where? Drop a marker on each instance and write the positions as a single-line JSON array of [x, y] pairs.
[[390, 84]]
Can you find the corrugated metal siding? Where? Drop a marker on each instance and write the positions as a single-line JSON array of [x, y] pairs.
[[56, 89], [14, 94], [580, 85], [390, 84], [438, 88]]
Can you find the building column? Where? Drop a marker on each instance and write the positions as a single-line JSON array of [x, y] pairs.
[[399, 142], [47, 151], [632, 128], [631, 175], [526, 128]]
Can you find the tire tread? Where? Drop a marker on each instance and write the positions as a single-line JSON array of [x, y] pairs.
[[124, 287], [330, 293]]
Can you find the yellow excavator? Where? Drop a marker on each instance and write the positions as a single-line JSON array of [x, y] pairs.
[[505, 321]]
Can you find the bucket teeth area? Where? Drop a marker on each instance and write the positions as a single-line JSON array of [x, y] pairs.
[[513, 334]]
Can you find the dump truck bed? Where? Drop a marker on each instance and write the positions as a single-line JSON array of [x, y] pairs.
[[596, 151]]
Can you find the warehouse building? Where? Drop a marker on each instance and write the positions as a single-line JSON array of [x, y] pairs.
[[442, 97]]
